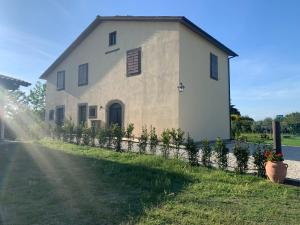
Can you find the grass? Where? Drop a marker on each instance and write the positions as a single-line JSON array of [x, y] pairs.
[[57, 183], [290, 140]]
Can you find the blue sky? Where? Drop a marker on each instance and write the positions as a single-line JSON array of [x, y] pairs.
[[265, 78]]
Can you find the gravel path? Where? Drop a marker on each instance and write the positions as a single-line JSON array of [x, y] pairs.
[[291, 155]]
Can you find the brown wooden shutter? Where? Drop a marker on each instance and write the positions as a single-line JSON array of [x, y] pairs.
[[214, 67], [60, 85], [134, 62], [83, 74]]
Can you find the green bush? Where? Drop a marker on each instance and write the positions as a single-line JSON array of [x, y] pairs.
[[166, 141], [78, 134], [192, 151], [177, 140], [102, 137], [206, 153], [241, 153], [221, 152], [153, 140], [118, 134], [93, 135], [143, 139], [109, 135], [68, 130], [86, 132], [128, 135], [58, 130], [259, 160]]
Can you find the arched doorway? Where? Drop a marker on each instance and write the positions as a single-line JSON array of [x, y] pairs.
[[115, 114]]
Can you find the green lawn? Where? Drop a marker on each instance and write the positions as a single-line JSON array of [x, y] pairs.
[[292, 140], [56, 183]]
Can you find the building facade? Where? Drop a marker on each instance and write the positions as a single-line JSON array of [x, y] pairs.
[[159, 71]]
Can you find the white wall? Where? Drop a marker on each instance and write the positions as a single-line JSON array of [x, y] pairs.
[[204, 103], [150, 98]]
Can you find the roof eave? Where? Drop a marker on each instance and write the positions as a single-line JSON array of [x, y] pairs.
[[70, 48], [181, 19], [206, 36]]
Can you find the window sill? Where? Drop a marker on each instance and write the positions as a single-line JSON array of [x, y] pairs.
[[133, 74], [82, 84], [111, 51], [61, 89]]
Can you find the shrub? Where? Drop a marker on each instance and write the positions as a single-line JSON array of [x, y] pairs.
[[128, 135], [69, 129], [109, 136], [259, 160], [58, 130], [102, 137], [143, 140], [64, 133], [118, 134], [192, 151], [93, 134], [86, 132], [206, 153], [78, 134], [221, 152], [166, 141], [241, 153], [177, 140], [153, 140]]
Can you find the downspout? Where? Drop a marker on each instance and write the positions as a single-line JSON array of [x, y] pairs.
[[229, 97]]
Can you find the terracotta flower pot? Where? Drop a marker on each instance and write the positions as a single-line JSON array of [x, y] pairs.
[[276, 171]]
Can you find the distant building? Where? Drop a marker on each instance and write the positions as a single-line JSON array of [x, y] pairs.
[[7, 83], [160, 71]]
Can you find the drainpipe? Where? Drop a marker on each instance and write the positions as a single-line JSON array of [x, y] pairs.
[[229, 98]]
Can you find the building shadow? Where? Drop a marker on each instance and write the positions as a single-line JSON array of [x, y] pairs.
[[43, 186]]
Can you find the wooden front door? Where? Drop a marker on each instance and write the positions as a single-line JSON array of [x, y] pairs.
[[115, 114]]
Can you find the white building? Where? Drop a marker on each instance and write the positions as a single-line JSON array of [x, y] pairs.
[[160, 71]]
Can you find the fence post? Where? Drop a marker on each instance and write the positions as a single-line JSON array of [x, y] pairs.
[[276, 136]]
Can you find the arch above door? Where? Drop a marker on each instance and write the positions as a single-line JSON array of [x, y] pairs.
[[115, 113]]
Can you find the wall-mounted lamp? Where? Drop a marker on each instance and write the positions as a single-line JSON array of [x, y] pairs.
[[180, 87], [101, 107]]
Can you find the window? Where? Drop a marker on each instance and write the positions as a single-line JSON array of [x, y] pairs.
[[214, 66], [134, 62], [60, 84], [112, 38], [93, 111], [83, 74], [82, 113], [51, 114], [60, 115]]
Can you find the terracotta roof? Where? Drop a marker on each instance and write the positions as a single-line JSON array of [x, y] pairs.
[[99, 19], [14, 81]]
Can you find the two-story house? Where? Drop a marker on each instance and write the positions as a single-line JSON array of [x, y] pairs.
[[159, 71]]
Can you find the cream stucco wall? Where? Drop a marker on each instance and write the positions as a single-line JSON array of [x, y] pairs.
[[150, 98], [204, 103]]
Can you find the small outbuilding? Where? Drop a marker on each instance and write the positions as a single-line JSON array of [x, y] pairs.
[[7, 83]]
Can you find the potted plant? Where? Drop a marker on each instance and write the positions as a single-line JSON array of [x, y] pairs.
[[275, 168]]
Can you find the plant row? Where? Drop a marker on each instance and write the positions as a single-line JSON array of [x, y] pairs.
[[171, 142]]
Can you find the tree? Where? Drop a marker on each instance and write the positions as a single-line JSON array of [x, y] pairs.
[[234, 110], [246, 123], [292, 122], [25, 111], [267, 124], [36, 99]]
